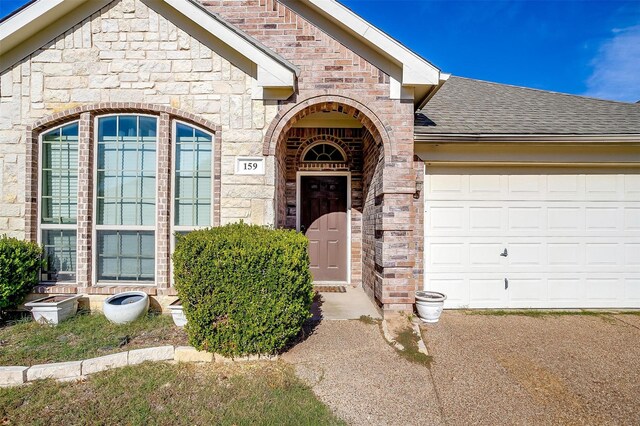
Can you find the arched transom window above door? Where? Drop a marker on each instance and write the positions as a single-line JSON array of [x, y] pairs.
[[324, 152]]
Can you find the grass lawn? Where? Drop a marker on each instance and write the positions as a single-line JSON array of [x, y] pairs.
[[26, 342], [166, 394]]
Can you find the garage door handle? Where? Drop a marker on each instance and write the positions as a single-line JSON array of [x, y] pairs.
[[506, 283], [505, 253]]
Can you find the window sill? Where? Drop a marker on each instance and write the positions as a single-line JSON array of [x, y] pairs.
[[55, 288]]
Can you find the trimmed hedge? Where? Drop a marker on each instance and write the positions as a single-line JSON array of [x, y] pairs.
[[20, 264], [244, 289]]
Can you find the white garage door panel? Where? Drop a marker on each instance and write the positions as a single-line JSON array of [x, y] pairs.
[[573, 240]]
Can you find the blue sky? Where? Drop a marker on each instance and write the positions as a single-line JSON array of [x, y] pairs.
[[584, 47]]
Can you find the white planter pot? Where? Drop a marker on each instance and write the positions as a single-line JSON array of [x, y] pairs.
[[54, 309], [178, 313], [429, 305], [125, 307]]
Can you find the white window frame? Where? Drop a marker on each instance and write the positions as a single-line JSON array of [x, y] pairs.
[[51, 226], [142, 228], [173, 228], [172, 216], [324, 142]]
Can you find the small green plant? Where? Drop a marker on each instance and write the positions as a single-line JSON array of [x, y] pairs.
[[20, 265], [244, 289], [409, 341], [368, 320]]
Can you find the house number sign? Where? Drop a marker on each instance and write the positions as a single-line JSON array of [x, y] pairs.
[[249, 166]]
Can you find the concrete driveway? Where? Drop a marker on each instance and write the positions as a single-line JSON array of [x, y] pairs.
[[486, 370], [548, 370]]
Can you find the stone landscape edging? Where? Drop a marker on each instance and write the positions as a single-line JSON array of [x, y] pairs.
[[74, 370]]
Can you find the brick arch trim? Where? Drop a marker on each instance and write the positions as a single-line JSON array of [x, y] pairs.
[[122, 107], [324, 138], [281, 124]]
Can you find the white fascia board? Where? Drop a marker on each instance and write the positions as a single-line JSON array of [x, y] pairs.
[[271, 73], [23, 24], [415, 70]]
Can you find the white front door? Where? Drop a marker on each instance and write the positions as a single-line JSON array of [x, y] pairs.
[[533, 238]]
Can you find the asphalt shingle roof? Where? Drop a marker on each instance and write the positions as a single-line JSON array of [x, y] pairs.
[[473, 107]]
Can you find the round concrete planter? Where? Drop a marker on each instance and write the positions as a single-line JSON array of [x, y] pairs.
[[126, 307], [429, 305]]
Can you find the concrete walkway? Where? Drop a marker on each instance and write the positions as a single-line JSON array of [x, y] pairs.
[[353, 370], [352, 304]]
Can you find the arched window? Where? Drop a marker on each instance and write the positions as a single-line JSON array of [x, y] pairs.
[[324, 152], [126, 198], [59, 198], [136, 196], [192, 177]]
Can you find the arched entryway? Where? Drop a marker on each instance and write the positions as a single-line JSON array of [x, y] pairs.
[[330, 156]]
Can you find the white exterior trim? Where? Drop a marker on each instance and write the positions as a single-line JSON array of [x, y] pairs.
[[299, 208], [532, 154]]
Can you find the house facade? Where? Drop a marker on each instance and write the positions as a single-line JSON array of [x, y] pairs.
[[125, 122]]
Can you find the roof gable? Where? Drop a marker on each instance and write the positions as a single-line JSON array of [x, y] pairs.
[[30, 28], [412, 77]]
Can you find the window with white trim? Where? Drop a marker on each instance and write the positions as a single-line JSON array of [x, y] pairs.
[[324, 152], [125, 203], [125, 195], [58, 201], [193, 185]]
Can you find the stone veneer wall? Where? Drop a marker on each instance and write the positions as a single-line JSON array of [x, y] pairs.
[[124, 55]]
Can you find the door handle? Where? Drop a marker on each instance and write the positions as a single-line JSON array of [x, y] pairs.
[[506, 283], [505, 253]]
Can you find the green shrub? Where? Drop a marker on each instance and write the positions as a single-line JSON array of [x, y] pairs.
[[244, 289], [20, 264]]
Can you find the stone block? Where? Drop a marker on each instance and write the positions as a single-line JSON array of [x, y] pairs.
[[59, 370], [161, 353], [191, 354], [103, 363], [11, 376]]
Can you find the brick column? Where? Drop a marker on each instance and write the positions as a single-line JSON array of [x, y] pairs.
[[163, 203], [399, 246], [84, 240]]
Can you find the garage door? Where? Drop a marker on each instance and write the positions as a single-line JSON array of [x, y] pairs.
[[533, 238]]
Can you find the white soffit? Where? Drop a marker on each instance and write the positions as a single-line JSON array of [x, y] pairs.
[[416, 71], [274, 75]]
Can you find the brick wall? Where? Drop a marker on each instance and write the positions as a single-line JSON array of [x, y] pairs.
[[329, 68]]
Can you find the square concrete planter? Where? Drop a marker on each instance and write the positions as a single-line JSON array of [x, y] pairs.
[[54, 309], [177, 313]]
